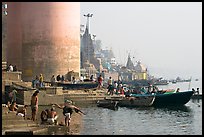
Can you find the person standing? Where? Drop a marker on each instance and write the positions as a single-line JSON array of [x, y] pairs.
[[100, 82], [177, 90], [92, 78], [10, 68], [110, 86], [197, 91], [36, 82], [68, 109], [58, 78], [34, 104], [62, 78], [53, 80], [115, 87], [41, 80], [14, 68], [12, 94], [81, 78]]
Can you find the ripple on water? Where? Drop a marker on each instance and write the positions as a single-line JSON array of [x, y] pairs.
[[143, 121]]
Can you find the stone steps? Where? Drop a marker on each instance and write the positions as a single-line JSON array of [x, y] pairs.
[[23, 84], [8, 117], [18, 123], [26, 131]]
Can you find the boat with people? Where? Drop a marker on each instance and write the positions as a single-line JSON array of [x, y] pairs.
[[161, 82], [173, 98]]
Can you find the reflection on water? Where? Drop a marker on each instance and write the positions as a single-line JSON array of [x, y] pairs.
[[175, 108], [173, 120]]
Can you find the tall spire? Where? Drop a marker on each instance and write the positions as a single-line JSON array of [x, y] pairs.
[[87, 22], [130, 64]]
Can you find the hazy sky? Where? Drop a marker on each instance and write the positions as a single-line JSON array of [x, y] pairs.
[[165, 36]]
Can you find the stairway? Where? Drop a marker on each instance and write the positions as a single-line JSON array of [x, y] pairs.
[[16, 125]]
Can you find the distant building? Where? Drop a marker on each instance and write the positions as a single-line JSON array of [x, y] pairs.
[[129, 64], [131, 72], [141, 71], [89, 69], [87, 50]]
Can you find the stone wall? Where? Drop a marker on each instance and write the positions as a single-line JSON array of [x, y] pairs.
[[44, 99]]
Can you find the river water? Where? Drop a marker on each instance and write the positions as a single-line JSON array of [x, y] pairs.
[[185, 120]]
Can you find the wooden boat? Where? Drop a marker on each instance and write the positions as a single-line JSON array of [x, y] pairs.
[[167, 91], [136, 101], [111, 102], [108, 103], [84, 85], [174, 82], [161, 82], [175, 98]]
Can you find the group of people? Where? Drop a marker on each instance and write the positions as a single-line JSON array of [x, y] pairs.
[[59, 78], [49, 116], [113, 87], [38, 81], [11, 68], [10, 97], [195, 91], [53, 80], [19, 110]]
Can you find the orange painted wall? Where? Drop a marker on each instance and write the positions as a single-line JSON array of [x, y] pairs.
[[44, 37]]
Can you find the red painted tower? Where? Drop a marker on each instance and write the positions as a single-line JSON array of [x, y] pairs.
[[44, 37]]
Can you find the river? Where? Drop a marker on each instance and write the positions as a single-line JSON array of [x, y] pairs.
[[185, 120]]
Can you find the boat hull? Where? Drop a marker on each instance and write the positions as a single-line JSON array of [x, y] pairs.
[[111, 102], [179, 98], [197, 96], [67, 86], [106, 103], [136, 101]]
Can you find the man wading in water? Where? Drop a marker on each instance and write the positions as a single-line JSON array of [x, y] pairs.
[[68, 109]]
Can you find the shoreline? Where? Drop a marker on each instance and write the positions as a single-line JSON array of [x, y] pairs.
[[76, 119]]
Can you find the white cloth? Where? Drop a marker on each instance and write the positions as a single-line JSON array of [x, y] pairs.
[[20, 114], [10, 68], [52, 120]]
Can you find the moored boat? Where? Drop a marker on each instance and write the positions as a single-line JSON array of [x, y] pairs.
[[167, 91], [175, 98], [136, 101], [111, 102], [84, 85], [161, 82], [107, 103]]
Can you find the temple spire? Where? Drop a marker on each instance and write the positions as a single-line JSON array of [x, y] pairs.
[[129, 64], [87, 23]]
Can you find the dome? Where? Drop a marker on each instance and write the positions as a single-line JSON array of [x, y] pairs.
[[140, 67]]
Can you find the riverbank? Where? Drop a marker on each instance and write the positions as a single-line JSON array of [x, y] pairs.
[[81, 99]]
